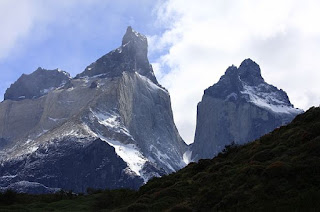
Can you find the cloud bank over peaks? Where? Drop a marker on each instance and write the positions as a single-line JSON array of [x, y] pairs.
[[202, 40]]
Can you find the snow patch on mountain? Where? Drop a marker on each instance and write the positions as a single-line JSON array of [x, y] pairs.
[[111, 120], [108, 120], [232, 95], [151, 86], [131, 154], [268, 99], [47, 90], [142, 37], [187, 157], [55, 119], [163, 157]]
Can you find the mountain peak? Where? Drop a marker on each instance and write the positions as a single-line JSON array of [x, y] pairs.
[[135, 44], [249, 71], [36, 84], [231, 70], [239, 108], [248, 62], [40, 69], [133, 36], [131, 56], [248, 85]]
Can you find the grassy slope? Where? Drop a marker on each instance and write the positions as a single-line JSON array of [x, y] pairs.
[[280, 171]]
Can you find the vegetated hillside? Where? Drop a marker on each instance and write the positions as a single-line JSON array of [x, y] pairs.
[[281, 171]]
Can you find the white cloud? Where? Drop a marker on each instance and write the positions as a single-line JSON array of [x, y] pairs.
[[19, 17], [17, 26], [205, 37]]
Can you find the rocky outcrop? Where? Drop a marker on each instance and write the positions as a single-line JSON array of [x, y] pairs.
[[240, 108], [37, 84]]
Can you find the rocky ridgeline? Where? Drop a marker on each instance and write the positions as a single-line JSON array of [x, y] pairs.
[[37, 84]]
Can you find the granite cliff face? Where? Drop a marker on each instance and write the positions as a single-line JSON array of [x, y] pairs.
[[109, 127], [240, 108]]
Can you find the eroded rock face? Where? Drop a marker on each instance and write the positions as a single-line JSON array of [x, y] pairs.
[[240, 108], [113, 124], [37, 84]]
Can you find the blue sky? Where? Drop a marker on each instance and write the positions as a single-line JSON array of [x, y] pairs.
[[191, 43]]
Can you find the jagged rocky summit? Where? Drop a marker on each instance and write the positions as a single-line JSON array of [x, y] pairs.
[[109, 127], [131, 56], [37, 84], [240, 108]]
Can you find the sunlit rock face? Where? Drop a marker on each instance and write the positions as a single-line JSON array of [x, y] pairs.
[[240, 108]]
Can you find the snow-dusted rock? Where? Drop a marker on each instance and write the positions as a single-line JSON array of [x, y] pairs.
[[240, 108], [29, 187], [110, 127]]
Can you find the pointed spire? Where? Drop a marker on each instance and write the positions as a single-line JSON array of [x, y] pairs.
[[133, 36], [131, 56]]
